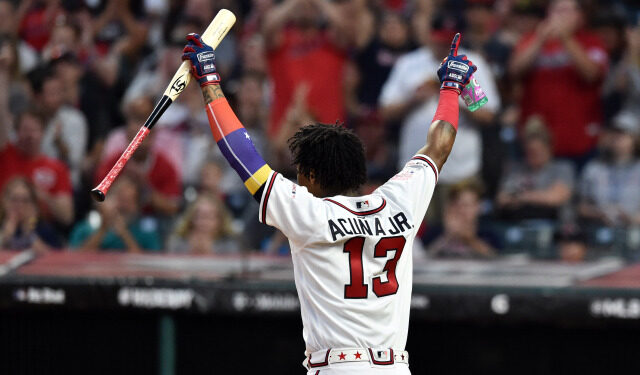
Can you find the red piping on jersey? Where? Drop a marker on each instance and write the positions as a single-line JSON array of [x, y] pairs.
[[324, 363], [363, 213], [375, 362], [422, 158], [266, 197]]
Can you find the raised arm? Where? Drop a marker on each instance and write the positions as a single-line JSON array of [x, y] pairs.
[[232, 138], [275, 20], [523, 59], [454, 74]]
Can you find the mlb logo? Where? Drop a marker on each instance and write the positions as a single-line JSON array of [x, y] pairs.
[[382, 355], [362, 204]]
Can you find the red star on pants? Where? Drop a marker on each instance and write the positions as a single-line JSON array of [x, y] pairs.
[[342, 356], [357, 355], [402, 357]]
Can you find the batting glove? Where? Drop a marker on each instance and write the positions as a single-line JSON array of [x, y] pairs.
[[202, 59], [455, 71]]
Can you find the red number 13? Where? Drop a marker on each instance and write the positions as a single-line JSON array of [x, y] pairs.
[[357, 288]]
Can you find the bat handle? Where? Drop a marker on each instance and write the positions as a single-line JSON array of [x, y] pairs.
[[99, 192]]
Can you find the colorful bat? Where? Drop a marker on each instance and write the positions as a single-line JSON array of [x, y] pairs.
[[213, 35]]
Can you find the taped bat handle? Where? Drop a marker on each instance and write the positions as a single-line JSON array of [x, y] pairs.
[[99, 192]]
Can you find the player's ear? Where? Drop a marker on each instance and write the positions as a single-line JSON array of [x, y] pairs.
[[312, 177]]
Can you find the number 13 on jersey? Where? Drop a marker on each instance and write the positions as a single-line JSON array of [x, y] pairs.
[[355, 248]]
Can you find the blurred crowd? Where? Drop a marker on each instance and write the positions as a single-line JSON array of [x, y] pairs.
[[548, 166]]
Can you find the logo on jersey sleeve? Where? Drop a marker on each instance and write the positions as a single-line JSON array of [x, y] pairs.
[[404, 175]]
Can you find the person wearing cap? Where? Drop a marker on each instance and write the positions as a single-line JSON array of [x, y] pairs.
[[610, 185], [410, 97], [540, 187]]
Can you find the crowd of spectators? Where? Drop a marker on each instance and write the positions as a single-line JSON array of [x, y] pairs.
[[554, 148]]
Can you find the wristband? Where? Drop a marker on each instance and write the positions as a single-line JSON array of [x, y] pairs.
[[451, 85], [209, 79], [448, 107]]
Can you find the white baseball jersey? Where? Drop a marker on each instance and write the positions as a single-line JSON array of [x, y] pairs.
[[352, 256]]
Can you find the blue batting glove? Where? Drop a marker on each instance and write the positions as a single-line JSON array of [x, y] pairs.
[[202, 59], [455, 71]]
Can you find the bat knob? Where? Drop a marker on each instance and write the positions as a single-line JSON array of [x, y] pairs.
[[97, 195]]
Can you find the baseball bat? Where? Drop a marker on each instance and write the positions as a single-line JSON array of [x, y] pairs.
[[213, 35]]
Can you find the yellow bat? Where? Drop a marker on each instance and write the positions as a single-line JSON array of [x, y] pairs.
[[212, 36]]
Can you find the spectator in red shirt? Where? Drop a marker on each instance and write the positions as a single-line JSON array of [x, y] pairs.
[[299, 51], [159, 181], [562, 65], [36, 19], [24, 158]]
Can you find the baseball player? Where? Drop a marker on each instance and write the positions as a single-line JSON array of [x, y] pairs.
[[351, 254]]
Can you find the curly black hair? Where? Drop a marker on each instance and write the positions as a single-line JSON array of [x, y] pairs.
[[333, 153]]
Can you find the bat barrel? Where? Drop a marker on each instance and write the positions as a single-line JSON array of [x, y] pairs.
[[214, 33]]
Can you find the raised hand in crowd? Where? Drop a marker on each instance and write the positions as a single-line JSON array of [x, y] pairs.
[[135, 30], [119, 225], [21, 226]]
